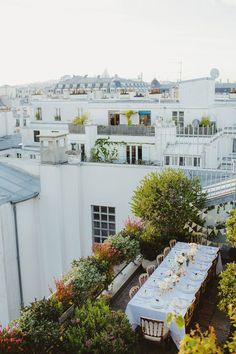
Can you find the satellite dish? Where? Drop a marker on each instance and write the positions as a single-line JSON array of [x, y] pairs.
[[195, 123], [214, 73]]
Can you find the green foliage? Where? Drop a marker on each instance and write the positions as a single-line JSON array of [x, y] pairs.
[[230, 345], [128, 115], [105, 150], [80, 120], [205, 122], [178, 319], [198, 342], [98, 330], [227, 287], [231, 227], [152, 242], [39, 322], [166, 200], [126, 246]]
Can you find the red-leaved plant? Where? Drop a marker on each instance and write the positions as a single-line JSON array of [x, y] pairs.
[[11, 339]]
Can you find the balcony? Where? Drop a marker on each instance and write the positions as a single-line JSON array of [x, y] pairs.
[[76, 129], [132, 130]]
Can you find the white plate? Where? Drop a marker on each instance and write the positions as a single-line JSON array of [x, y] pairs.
[[180, 303], [201, 267]]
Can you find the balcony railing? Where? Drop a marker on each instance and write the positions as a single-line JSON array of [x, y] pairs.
[[134, 130], [196, 131], [76, 129]]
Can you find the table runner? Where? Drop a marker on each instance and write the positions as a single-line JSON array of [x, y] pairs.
[[178, 299]]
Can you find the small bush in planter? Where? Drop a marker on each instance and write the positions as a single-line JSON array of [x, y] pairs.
[[152, 243], [39, 322], [126, 246], [96, 329]]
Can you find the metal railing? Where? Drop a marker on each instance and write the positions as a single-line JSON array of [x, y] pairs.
[[196, 131], [76, 129], [221, 189], [123, 129]]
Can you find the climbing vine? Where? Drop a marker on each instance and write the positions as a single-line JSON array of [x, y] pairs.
[[105, 150]]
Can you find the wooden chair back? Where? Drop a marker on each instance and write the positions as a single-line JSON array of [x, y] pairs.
[[159, 259], [150, 269], [133, 291], [199, 237], [142, 278], [172, 243], [166, 251], [152, 329]]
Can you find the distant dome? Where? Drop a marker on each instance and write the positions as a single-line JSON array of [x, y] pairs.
[[155, 83]]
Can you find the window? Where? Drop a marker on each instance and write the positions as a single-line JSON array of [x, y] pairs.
[[38, 113], [113, 118], [234, 145], [189, 161], [32, 156], [57, 116], [174, 160], [167, 160], [145, 117], [82, 147], [24, 122], [36, 137], [103, 222], [17, 122], [18, 155], [196, 161], [134, 154], [182, 161], [178, 118]]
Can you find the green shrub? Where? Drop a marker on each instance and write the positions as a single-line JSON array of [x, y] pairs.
[[231, 227], [227, 287], [168, 200], [96, 329], [39, 323], [126, 246]]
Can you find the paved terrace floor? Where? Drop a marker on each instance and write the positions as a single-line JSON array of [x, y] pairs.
[[206, 314]]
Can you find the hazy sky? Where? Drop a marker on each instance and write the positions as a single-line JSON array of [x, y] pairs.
[[45, 39]]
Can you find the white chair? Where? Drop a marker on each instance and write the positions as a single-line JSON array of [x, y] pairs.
[[166, 251], [142, 278], [153, 330], [172, 243], [159, 259], [133, 291], [150, 269]]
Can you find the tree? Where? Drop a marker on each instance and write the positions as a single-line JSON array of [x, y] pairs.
[[205, 122], [168, 200], [231, 227]]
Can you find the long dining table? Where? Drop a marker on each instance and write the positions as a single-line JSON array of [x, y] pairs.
[[159, 296]]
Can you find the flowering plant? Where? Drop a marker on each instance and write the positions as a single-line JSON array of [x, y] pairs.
[[107, 252], [134, 225], [63, 292], [11, 339]]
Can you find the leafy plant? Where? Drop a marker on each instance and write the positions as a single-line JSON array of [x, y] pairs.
[[231, 227], [162, 198], [39, 322], [205, 122], [126, 246], [198, 342], [227, 287], [98, 330], [80, 120], [63, 293], [230, 345], [105, 150], [12, 339], [152, 242], [128, 115]]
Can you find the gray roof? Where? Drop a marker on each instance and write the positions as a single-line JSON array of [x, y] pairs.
[[17, 185], [10, 141]]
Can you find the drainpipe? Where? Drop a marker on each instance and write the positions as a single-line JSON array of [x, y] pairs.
[[18, 256]]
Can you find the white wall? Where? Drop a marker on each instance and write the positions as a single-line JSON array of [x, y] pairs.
[[197, 92], [7, 123], [9, 288]]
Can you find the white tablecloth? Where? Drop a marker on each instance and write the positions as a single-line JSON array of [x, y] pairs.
[[144, 302]]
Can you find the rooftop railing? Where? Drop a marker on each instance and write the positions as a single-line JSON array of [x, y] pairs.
[[133, 130], [76, 129], [196, 131]]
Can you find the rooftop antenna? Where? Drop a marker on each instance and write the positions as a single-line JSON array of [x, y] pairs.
[[180, 70]]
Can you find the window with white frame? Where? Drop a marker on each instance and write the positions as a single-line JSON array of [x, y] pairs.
[[57, 115], [182, 161], [167, 160], [196, 161], [178, 118], [103, 222]]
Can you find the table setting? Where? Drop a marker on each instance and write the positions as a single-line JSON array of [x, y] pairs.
[[173, 285]]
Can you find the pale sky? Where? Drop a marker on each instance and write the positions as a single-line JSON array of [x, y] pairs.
[[45, 39]]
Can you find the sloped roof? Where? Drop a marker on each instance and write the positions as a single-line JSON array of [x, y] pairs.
[[10, 141], [16, 185]]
